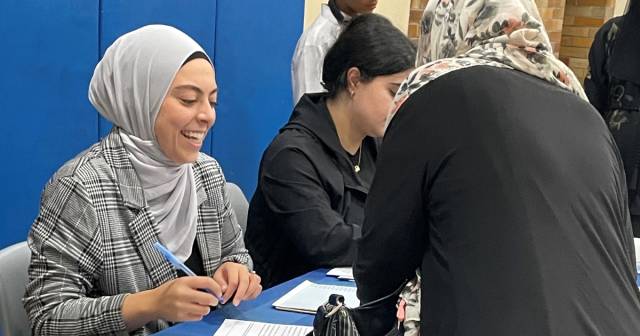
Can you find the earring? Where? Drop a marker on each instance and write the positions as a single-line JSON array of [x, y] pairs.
[[352, 93]]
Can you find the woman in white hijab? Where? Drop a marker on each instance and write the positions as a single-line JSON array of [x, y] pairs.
[[94, 269]]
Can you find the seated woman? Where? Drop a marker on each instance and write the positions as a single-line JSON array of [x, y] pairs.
[[93, 268], [315, 175], [500, 183]]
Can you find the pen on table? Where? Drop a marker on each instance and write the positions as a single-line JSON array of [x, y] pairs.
[[173, 260]]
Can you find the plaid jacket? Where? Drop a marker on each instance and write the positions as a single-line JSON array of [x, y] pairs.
[[91, 243]]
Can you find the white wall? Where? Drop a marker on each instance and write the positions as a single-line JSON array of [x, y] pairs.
[[397, 11]]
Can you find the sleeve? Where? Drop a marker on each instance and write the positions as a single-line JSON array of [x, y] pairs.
[[596, 83], [232, 237], [396, 223], [295, 195], [66, 253], [306, 72]]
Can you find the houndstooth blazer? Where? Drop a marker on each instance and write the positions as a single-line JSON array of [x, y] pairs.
[[91, 243]]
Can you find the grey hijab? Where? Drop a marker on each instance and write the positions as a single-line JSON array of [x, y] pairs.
[[128, 88]]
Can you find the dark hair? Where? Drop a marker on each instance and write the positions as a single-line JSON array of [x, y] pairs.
[[373, 45], [196, 55]]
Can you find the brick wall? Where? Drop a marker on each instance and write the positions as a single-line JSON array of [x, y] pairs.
[[571, 25], [581, 21], [552, 12], [415, 14]]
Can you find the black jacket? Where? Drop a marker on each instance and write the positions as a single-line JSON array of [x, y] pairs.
[[509, 194], [617, 96], [308, 206]]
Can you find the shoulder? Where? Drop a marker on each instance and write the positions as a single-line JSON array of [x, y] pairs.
[[294, 143], [86, 169], [209, 170], [608, 31], [321, 32], [71, 193]]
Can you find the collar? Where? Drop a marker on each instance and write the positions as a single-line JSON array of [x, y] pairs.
[[312, 115], [331, 12], [128, 182]]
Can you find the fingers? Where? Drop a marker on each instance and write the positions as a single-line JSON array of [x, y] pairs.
[[243, 285], [255, 288], [232, 282], [219, 277], [206, 283], [194, 312]]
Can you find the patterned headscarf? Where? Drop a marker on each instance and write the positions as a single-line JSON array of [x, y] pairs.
[[457, 34]]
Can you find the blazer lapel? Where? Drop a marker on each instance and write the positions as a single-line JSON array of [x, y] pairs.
[[142, 227]]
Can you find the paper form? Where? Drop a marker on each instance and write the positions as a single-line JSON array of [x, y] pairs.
[[308, 296], [248, 328]]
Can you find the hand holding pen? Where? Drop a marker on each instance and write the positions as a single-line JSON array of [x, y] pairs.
[[234, 280], [179, 265]]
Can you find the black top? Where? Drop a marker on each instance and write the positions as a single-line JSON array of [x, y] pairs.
[[618, 100], [509, 193], [308, 206]]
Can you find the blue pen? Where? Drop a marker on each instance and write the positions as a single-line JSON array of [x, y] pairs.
[[173, 260]]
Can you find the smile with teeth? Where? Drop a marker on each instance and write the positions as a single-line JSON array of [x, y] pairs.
[[193, 135]]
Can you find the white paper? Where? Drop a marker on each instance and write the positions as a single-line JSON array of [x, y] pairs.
[[308, 296], [345, 273], [248, 328]]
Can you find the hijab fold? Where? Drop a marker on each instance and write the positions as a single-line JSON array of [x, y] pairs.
[[128, 88]]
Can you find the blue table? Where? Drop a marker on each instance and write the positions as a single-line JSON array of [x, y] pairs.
[[260, 309]]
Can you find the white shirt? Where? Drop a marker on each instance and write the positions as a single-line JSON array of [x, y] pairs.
[[313, 45]]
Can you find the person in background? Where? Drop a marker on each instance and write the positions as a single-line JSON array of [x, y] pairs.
[[500, 186], [315, 175], [613, 87], [93, 267], [306, 65]]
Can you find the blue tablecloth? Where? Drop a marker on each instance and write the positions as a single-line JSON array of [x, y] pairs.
[[260, 309]]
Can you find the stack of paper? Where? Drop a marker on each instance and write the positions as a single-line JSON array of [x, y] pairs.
[[343, 273], [308, 296], [248, 328]]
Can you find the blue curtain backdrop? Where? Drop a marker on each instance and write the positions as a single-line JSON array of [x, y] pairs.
[[50, 48]]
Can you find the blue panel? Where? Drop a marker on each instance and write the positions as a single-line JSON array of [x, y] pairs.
[[194, 17], [48, 53], [253, 64]]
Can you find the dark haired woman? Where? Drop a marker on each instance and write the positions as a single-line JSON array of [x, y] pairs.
[[315, 175]]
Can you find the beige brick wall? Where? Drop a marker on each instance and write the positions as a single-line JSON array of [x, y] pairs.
[[415, 14], [571, 25], [552, 12], [581, 22]]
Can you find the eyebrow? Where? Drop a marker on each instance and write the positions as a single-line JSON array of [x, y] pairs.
[[193, 87]]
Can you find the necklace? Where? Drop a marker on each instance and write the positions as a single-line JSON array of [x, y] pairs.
[[356, 167]]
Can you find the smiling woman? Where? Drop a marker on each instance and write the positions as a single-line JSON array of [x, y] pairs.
[[188, 111], [94, 269]]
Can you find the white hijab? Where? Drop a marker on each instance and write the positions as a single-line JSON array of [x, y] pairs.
[[128, 88]]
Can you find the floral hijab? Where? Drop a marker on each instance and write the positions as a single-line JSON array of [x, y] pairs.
[[456, 34]]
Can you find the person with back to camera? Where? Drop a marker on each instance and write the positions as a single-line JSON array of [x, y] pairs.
[[500, 184], [306, 65], [315, 175], [94, 269]]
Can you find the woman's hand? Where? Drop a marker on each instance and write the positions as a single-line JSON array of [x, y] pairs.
[[176, 300], [236, 279]]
